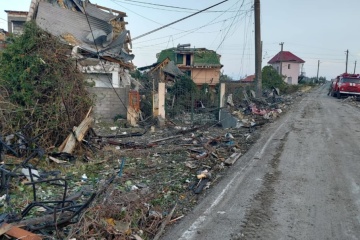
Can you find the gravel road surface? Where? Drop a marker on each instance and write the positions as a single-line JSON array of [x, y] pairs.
[[301, 180]]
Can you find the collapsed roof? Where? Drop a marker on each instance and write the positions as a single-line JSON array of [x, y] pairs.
[[80, 23]]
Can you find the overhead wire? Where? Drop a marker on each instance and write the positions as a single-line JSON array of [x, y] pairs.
[[179, 20], [237, 16], [168, 6], [138, 14], [192, 30], [169, 10], [231, 25]]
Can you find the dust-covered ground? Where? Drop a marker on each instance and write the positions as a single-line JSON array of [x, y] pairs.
[[299, 181]]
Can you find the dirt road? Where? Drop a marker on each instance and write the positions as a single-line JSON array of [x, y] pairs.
[[301, 180]]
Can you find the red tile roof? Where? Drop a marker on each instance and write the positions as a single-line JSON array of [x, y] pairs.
[[249, 78], [285, 56]]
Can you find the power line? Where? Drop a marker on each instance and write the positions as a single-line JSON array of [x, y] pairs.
[[185, 33], [161, 5], [167, 25], [228, 30], [162, 9], [139, 14]]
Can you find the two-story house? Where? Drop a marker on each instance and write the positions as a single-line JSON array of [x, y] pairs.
[[288, 65], [201, 64]]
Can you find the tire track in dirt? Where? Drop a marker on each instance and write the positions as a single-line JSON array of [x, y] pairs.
[[257, 221]]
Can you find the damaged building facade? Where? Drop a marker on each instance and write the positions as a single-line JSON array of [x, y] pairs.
[[200, 64], [101, 46]]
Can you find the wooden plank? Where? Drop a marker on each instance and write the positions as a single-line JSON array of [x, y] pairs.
[[19, 233], [79, 134], [57, 160], [233, 158]]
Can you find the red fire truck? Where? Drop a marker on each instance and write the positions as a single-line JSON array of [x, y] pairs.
[[345, 85]]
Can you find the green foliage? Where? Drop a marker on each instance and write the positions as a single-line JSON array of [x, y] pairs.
[[184, 86], [181, 96], [41, 85], [224, 78], [271, 78]]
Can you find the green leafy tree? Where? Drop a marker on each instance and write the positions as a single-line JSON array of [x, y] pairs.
[[271, 78]]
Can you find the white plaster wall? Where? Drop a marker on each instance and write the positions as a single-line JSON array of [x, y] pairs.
[[104, 80]]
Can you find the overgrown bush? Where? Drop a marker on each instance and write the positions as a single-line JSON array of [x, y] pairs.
[[40, 86]]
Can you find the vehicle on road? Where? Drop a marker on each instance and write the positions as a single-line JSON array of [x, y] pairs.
[[346, 85]]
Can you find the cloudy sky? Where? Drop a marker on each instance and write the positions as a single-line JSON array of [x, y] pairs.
[[311, 29]]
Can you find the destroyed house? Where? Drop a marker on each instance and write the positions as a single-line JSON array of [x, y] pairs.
[[200, 64], [165, 71], [101, 46]]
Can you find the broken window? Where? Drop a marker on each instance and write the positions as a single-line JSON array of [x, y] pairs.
[[188, 60]]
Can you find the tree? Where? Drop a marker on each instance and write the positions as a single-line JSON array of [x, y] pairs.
[[41, 86], [224, 77], [271, 78]]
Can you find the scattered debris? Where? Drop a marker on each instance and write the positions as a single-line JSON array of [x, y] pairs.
[[84, 188]]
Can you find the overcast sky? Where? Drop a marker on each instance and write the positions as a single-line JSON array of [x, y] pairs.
[[311, 29]]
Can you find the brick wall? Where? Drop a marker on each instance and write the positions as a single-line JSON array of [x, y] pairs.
[[108, 104]]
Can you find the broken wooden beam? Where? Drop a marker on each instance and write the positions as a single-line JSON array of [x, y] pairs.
[[78, 134]]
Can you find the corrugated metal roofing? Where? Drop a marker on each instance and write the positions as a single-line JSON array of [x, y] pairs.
[[172, 69], [97, 13], [59, 21], [64, 22]]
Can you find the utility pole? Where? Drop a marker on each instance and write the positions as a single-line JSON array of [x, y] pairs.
[[317, 76], [347, 57], [281, 52], [355, 68], [258, 50]]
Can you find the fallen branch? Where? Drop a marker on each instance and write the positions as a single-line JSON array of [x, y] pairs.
[[167, 138], [164, 223]]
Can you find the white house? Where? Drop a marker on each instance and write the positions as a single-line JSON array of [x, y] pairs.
[[288, 65]]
